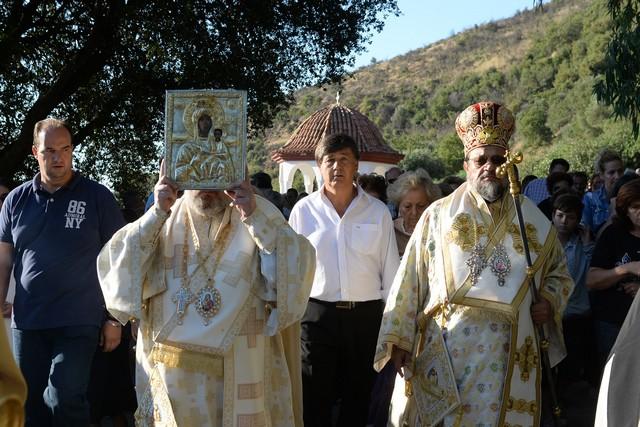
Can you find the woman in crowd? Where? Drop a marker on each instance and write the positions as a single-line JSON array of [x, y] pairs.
[[413, 192], [614, 275]]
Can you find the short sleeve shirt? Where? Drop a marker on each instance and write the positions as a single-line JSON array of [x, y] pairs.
[[578, 259], [596, 209], [56, 239], [616, 246]]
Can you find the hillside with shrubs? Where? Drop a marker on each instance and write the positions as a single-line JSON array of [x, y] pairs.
[[541, 64]]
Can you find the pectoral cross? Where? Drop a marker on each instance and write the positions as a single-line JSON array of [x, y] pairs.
[[182, 298]]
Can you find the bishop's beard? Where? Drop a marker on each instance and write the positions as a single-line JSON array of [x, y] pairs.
[[206, 203], [489, 190]]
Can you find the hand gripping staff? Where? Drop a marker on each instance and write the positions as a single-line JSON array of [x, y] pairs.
[[508, 168]]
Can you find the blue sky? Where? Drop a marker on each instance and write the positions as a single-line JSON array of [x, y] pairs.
[[423, 22]]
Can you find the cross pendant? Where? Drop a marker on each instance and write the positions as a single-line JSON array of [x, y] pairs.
[[476, 263], [182, 298]]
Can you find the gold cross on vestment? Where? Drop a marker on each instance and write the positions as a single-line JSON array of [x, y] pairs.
[[526, 358], [252, 326]]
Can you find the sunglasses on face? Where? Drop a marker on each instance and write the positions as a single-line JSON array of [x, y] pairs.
[[495, 160]]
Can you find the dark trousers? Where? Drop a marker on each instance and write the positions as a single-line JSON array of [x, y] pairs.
[[580, 363], [56, 364], [338, 346], [606, 335]]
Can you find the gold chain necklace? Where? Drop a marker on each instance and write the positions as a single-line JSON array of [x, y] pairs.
[[499, 261], [208, 300]]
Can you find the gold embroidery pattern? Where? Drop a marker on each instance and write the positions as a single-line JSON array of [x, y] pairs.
[[154, 407], [526, 358], [522, 406], [253, 326], [173, 357], [250, 391], [532, 237], [252, 420], [464, 232]]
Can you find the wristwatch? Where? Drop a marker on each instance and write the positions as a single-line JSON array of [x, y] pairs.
[[114, 323]]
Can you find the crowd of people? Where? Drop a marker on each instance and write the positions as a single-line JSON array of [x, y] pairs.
[[373, 301]]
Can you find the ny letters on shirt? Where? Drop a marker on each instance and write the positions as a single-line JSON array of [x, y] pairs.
[[75, 214]]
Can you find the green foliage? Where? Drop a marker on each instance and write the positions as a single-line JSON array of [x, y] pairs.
[[619, 71], [408, 142], [298, 182], [105, 66], [532, 125], [449, 151], [424, 159], [540, 64]]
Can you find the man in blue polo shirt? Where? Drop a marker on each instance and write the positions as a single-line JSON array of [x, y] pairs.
[[51, 231]]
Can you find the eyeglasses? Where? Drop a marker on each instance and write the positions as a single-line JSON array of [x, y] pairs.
[[495, 160]]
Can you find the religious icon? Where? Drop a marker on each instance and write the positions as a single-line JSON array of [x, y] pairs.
[[208, 303], [205, 137], [434, 386]]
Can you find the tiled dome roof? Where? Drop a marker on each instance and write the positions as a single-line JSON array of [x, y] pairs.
[[337, 119]]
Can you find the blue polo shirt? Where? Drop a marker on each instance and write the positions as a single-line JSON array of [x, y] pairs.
[[56, 239], [596, 209]]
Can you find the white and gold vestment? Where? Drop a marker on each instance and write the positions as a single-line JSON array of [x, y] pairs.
[[463, 277], [13, 390], [227, 353]]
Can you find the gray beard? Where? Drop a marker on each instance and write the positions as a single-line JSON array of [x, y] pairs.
[[206, 208], [490, 191]]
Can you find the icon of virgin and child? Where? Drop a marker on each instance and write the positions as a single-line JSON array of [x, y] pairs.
[[207, 157]]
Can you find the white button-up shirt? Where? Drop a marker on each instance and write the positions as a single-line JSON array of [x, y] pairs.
[[356, 255]]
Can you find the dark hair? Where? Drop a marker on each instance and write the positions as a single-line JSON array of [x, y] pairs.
[[561, 162], [453, 180], [606, 156], [527, 179], [261, 180], [628, 195], [375, 183], [568, 201], [47, 123], [336, 142], [292, 192], [393, 169], [445, 188], [580, 174], [627, 177], [557, 177]]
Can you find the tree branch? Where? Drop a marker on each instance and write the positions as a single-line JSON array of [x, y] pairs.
[[80, 70]]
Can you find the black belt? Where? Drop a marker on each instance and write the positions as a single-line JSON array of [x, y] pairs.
[[345, 305]]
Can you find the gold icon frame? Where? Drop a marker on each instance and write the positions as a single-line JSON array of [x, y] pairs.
[[206, 137]]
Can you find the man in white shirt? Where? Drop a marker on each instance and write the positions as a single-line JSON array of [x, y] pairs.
[[356, 260]]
